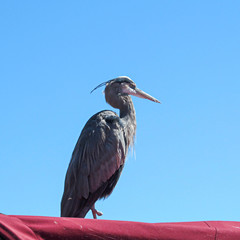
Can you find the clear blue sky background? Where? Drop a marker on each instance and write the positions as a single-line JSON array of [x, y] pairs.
[[185, 53]]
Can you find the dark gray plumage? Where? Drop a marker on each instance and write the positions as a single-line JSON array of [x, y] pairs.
[[99, 155]]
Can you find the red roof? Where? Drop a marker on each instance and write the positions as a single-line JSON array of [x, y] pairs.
[[34, 227]]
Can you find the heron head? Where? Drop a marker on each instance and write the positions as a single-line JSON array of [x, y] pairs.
[[123, 86]]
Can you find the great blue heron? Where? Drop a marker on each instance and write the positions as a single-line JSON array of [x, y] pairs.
[[99, 155]]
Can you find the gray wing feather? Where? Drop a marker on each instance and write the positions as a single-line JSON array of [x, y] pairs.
[[98, 154]]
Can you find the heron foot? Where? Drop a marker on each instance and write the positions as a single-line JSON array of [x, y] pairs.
[[95, 212]]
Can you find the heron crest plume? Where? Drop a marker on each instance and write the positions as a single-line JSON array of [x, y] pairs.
[[118, 79]]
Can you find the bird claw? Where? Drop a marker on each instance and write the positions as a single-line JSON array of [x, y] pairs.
[[95, 212]]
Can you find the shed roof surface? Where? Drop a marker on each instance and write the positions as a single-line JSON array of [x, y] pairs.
[[36, 227]]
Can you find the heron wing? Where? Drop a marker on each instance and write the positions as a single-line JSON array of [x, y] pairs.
[[98, 154]]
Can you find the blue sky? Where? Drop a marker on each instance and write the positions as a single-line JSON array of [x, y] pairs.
[[185, 53]]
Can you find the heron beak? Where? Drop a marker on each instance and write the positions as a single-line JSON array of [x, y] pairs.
[[141, 94]]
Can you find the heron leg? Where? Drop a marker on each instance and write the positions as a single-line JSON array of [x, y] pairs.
[[95, 212]]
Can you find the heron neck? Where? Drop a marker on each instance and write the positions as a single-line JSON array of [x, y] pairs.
[[128, 119], [127, 111]]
